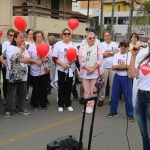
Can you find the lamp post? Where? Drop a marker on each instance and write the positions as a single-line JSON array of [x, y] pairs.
[[130, 19], [112, 17], [101, 18]]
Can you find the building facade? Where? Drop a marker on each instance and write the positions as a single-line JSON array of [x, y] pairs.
[[51, 16], [121, 14]]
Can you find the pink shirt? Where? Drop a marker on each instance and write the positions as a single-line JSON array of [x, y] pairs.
[[90, 56]]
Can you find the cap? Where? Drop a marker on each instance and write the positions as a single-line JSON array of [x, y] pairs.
[[125, 43], [90, 29]]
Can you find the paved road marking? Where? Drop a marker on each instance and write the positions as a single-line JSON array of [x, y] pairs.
[[34, 131]]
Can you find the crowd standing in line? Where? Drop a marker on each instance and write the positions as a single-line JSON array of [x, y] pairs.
[[94, 58], [22, 66]]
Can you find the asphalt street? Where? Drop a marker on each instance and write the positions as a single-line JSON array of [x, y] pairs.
[[35, 131]]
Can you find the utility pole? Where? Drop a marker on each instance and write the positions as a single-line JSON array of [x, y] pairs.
[[101, 23], [112, 16], [88, 8], [130, 19]]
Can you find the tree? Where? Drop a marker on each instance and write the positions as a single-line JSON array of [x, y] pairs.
[[142, 20]]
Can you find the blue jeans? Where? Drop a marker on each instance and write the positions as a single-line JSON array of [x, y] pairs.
[[142, 110], [122, 84]]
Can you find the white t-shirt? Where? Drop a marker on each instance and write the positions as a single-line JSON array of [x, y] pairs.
[[11, 50], [5, 46], [59, 51], [107, 62], [121, 58], [36, 70], [144, 71], [142, 53]]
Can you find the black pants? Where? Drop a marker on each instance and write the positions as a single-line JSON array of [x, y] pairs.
[[5, 82], [64, 89], [19, 89], [28, 79], [39, 92], [74, 90]]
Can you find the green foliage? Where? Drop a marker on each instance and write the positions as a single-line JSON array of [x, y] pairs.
[[147, 6], [109, 27]]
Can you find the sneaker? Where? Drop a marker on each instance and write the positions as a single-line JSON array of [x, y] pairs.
[[35, 109], [112, 115], [70, 108], [100, 103], [25, 112], [89, 110], [60, 109], [7, 115], [44, 109], [130, 118], [27, 97], [76, 98]]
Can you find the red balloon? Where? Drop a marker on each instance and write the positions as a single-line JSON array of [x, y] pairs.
[[20, 23], [1, 33], [71, 54], [73, 23], [42, 50]]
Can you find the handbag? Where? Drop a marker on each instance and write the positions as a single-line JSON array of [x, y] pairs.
[[99, 84], [99, 81]]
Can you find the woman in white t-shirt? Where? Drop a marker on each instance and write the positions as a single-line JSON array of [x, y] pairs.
[[5, 45], [39, 74], [16, 74], [64, 70], [29, 41], [109, 49], [142, 108], [90, 59], [134, 44]]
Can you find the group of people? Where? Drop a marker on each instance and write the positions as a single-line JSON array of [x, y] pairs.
[[116, 63]]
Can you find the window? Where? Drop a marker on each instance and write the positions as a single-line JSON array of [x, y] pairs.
[[107, 20], [123, 20]]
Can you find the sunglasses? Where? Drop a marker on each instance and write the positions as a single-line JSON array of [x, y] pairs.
[[66, 33], [11, 35], [92, 38], [123, 45]]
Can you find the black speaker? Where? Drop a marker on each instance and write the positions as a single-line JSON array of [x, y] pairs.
[[64, 143], [69, 142]]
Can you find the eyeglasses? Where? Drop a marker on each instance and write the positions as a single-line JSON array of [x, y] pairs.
[[11, 35], [66, 33], [92, 38], [123, 45]]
